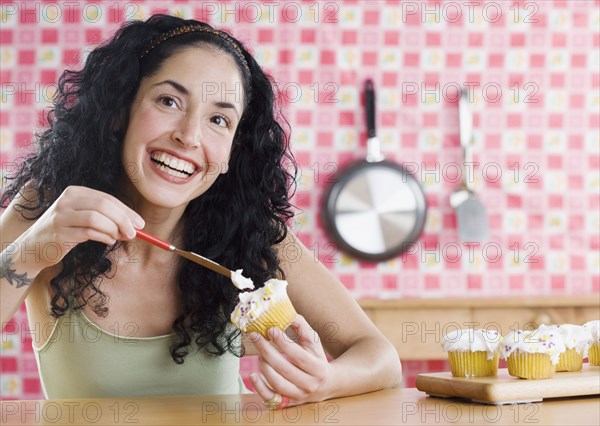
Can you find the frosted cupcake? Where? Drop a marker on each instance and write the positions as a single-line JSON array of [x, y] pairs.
[[266, 307], [532, 354], [577, 340], [594, 328], [472, 353]]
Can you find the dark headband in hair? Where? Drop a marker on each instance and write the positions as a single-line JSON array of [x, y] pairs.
[[197, 28]]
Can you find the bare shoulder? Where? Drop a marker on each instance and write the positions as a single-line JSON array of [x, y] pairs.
[[321, 298], [302, 267], [309, 281]]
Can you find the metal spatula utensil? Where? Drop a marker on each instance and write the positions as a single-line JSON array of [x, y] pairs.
[[470, 212]]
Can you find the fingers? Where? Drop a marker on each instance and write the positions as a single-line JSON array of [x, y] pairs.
[[94, 221], [307, 336], [98, 212], [84, 207], [136, 220], [80, 191], [81, 214], [298, 354], [272, 399], [288, 367], [261, 386], [267, 383], [88, 234]]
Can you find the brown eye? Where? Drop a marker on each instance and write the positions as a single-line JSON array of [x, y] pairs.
[[167, 101], [221, 121]]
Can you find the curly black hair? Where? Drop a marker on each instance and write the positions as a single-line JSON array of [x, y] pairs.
[[246, 209]]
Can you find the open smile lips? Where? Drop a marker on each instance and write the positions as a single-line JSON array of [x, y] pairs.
[[172, 165]]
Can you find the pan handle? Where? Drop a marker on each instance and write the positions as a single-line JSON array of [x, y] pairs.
[[373, 145], [370, 108]]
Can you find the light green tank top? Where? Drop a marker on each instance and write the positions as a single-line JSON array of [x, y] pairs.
[[82, 360]]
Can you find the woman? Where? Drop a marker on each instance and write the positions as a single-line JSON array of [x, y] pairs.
[[171, 127]]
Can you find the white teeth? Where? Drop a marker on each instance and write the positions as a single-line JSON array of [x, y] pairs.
[[189, 168], [172, 172], [182, 168]]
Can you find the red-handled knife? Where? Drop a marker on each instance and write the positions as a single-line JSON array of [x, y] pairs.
[[207, 263]]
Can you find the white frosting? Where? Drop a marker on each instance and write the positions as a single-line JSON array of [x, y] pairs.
[[574, 336], [472, 340], [254, 304], [536, 341], [241, 281], [594, 328]]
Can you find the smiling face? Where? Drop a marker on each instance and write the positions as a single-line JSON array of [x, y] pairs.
[[181, 127]]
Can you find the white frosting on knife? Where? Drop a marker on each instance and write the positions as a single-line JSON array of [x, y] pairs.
[[241, 281]]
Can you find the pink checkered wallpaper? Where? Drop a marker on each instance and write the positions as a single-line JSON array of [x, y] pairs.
[[533, 69]]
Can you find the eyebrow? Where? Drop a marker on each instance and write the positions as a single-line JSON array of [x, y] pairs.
[[181, 89]]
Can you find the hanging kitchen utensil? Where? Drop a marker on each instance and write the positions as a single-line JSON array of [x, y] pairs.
[[470, 212], [376, 209]]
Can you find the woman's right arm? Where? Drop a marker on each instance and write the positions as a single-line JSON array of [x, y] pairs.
[[28, 247], [15, 274]]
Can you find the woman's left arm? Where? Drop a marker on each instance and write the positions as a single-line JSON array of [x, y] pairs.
[[363, 360]]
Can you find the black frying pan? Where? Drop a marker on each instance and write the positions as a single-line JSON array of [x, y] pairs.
[[376, 209]]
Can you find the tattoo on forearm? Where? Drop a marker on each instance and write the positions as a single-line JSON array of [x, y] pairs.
[[20, 280]]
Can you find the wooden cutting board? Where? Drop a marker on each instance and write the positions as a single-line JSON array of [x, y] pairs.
[[505, 389]]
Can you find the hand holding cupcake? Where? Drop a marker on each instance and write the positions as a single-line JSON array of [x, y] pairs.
[[266, 307]]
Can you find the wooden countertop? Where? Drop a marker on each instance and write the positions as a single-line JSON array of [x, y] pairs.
[[387, 407]]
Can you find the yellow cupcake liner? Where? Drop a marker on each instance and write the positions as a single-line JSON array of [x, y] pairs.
[[472, 364], [530, 366], [594, 354], [570, 360], [280, 314]]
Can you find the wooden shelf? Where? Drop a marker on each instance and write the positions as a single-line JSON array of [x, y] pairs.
[[416, 326], [496, 302]]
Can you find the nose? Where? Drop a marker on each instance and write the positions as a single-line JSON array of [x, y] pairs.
[[188, 132]]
